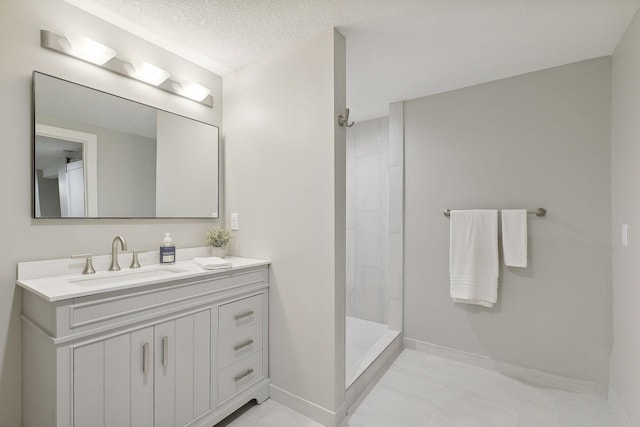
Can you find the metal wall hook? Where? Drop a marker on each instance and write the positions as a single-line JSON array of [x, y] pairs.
[[344, 120]]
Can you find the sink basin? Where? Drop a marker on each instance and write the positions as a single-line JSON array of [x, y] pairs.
[[125, 276]]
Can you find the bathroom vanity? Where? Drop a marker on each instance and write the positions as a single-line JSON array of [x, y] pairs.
[[159, 346]]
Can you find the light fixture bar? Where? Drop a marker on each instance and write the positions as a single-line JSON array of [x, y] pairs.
[[189, 90]]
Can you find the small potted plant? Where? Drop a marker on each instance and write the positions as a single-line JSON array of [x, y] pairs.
[[218, 238]]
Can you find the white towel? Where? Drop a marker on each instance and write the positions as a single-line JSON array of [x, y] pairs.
[[212, 263], [473, 257], [514, 237]]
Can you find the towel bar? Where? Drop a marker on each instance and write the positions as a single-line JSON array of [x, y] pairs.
[[537, 212]]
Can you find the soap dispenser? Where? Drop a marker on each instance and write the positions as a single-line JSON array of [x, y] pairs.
[[167, 250]]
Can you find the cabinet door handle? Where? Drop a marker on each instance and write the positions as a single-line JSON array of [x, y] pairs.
[[243, 345], [165, 351], [243, 315], [145, 359], [244, 374]]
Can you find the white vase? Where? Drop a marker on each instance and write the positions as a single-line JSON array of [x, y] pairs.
[[216, 251]]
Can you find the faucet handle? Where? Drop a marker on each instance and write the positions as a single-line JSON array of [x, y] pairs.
[[88, 266], [134, 260]]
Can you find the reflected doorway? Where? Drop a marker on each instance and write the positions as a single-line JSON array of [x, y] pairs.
[[65, 173]]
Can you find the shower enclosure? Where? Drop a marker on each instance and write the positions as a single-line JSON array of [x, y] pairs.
[[374, 240]]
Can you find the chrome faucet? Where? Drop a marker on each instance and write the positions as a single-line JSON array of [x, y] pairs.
[[114, 252]]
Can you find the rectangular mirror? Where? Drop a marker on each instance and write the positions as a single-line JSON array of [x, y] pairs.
[[97, 155]]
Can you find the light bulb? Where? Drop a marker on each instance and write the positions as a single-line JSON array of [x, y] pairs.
[[148, 73], [193, 90], [89, 50]]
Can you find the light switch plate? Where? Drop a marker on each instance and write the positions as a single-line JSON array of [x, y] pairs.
[[234, 221], [625, 235]]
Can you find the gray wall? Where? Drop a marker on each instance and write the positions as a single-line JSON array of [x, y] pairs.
[[187, 168], [368, 220], [49, 195], [126, 175], [285, 163], [536, 140], [27, 239], [625, 168]]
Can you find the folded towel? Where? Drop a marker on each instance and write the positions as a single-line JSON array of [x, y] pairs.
[[212, 263], [514, 237], [473, 257]]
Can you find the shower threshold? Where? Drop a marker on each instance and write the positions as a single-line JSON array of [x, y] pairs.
[[365, 341]]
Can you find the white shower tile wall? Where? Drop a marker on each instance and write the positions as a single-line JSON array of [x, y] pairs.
[[396, 216], [368, 164]]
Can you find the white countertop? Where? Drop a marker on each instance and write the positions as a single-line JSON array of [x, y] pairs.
[[37, 277]]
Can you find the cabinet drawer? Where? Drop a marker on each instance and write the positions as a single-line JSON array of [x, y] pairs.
[[239, 376], [89, 312], [239, 344], [240, 314]]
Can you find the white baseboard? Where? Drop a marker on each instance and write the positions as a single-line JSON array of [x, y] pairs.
[[534, 376], [309, 409], [618, 410]]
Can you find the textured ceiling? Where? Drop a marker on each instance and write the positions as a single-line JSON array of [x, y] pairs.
[[396, 49]]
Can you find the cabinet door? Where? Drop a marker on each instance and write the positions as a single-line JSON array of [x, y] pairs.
[[193, 366], [88, 385], [142, 378], [182, 369], [164, 374], [113, 381]]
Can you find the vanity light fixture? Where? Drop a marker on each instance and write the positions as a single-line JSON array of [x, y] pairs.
[[104, 57], [148, 73], [193, 90], [89, 50]]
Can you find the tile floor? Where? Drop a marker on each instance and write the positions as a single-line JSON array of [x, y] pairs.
[[421, 390], [425, 390], [269, 414]]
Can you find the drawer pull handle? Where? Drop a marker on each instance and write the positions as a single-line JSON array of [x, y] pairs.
[[243, 345], [243, 315], [145, 359], [165, 351], [241, 376]]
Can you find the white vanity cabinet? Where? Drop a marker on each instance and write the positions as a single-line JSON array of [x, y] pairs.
[[185, 352]]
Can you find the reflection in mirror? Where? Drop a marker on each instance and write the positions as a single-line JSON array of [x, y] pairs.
[[64, 186], [97, 155]]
